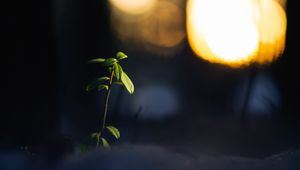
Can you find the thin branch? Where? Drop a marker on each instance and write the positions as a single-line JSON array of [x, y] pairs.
[[106, 106], [107, 98]]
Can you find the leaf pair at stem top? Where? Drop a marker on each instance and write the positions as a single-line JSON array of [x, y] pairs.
[[115, 69]]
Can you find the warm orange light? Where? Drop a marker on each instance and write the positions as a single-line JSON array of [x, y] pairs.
[[271, 23], [133, 6], [160, 30], [236, 32], [165, 27]]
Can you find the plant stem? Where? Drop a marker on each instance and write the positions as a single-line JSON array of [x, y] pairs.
[[106, 105], [98, 142], [107, 98]]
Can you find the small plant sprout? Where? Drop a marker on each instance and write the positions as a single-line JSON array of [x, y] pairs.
[[116, 76]]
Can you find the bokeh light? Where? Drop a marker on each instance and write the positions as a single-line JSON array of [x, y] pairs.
[[272, 25], [133, 6], [159, 30], [236, 32]]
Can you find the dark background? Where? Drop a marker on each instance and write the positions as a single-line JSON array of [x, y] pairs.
[[44, 105]]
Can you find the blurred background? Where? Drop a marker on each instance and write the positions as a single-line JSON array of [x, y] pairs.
[[181, 102]]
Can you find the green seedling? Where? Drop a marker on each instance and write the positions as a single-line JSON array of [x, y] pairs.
[[104, 84]]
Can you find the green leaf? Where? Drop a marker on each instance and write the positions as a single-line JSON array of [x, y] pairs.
[[109, 69], [95, 82], [121, 55], [90, 86], [96, 60], [118, 71], [95, 135], [102, 87], [118, 83], [105, 144], [109, 61], [127, 83], [114, 131], [102, 79]]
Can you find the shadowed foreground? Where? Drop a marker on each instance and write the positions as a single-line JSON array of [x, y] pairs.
[[149, 157]]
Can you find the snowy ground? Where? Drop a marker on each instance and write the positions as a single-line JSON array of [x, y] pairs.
[[148, 157]]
